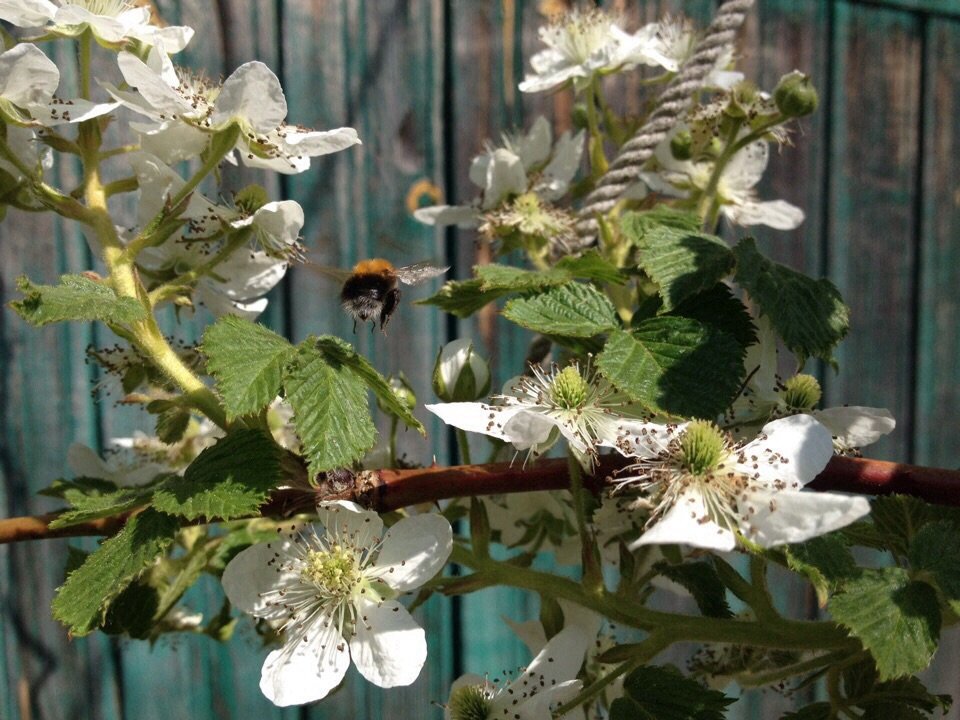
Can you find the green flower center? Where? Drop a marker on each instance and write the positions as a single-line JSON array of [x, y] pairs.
[[569, 390], [802, 392], [469, 703], [334, 571], [702, 448]]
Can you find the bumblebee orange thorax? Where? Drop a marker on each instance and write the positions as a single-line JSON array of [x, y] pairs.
[[373, 266]]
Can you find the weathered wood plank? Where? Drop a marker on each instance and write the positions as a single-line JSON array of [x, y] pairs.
[[938, 311], [872, 209]]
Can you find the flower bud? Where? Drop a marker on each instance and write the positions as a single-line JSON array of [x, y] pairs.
[[460, 374], [403, 391], [795, 95], [579, 116], [681, 145]]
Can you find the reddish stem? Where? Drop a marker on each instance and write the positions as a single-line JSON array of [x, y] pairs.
[[384, 490]]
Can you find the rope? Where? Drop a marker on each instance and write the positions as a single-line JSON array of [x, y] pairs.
[[672, 103]]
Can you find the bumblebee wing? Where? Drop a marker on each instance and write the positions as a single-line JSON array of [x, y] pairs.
[[328, 271], [419, 272]]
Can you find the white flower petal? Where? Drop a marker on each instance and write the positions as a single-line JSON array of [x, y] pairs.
[[533, 431], [106, 28], [414, 550], [152, 83], [746, 167], [792, 516], [72, 111], [307, 674], [389, 648], [282, 220], [364, 528], [477, 417], [27, 76], [171, 142], [27, 13], [322, 142], [778, 214], [801, 440], [252, 94], [534, 147], [562, 166], [856, 426], [84, 462], [252, 570], [685, 523], [505, 176], [441, 215]]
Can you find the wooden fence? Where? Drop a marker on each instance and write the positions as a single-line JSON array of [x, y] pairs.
[[425, 82]]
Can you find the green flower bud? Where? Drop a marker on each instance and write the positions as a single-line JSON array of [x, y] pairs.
[[460, 374], [579, 116], [702, 447], [404, 392], [681, 145], [802, 392], [795, 95]]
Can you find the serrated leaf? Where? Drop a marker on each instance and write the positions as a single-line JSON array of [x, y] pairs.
[[330, 409], [683, 263], [896, 619], [900, 699], [105, 573], [247, 361], [675, 365], [76, 298], [572, 310], [720, 308], [229, 480], [132, 612], [463, 297], [898, 518], [60, 488], [635, 225], [936, 549], [339, 352], [825, 561], [591, 266], [702, 581], [808, 314], [171, 424], [89, 505], [509, 278], [662, 693]]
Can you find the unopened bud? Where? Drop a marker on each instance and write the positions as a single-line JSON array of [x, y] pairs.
[[795, 95], [681, 145], [460, 374], [403, 392]]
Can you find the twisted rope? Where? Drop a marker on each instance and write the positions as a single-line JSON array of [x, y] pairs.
[[672, 103]]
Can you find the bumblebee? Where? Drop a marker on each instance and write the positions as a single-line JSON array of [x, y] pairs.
[[371, 292]]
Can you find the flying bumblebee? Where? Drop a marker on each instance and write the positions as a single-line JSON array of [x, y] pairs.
[[370, 291]]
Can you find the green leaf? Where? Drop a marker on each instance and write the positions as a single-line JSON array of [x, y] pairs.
[[132, 612], [683, 263], [719, 308], [814, 711], [636, 225], [591, 266], [573, 310], [229, 480], [702, 581], [247, 361], [825, 561], [330, 409], [899, 517], [936, 549], [901, 699], [675, 365], [662, 693], [90, 504], [896, 619], [171, 424], [808, 314], [509, 278], [80, 486], [463, 297], [76, 298], [341, 354], [81, 600]]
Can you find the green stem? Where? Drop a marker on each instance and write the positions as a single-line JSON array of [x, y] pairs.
[[592, 566], [598, 160], [815, 663], [761, 601], [392, 447], [775, 633], [463, 445], [86, 40], [123, 185]]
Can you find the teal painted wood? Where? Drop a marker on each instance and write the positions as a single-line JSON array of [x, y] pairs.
[[938, 312]]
